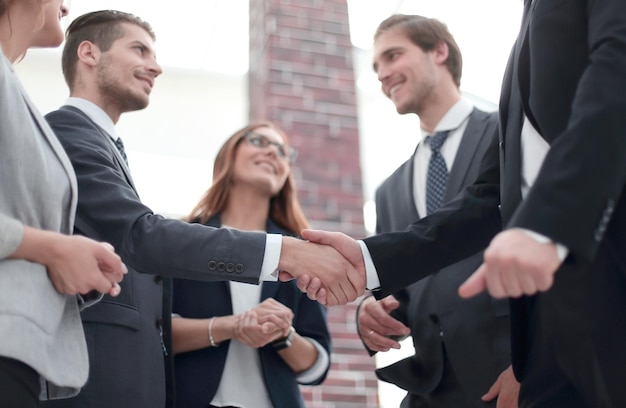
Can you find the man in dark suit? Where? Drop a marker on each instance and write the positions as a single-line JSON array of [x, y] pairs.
[[109, 64], [562, 256], [461, 346]]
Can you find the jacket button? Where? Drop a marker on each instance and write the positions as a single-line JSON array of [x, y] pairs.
[[158, 278], [599, 233], [221, 267], [239, 268], [230, 267], [212, 265]]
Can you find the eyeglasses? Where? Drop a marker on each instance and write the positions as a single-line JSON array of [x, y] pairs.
[[284, 152]]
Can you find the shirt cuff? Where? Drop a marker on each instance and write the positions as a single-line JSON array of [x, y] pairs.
[[373, 282], [317, 370], [561, 250], [269, 269]]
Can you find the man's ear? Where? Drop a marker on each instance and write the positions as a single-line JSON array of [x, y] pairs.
[[441, 52], [88, 53]]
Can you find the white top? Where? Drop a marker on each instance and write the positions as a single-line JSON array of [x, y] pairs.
[[243, 361]]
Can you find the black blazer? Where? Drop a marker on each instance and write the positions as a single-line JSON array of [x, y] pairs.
[[476, 331], [124, 334], [198, 373], [568, 73]]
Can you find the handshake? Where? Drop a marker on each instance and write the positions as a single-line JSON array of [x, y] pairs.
[[329, 266]]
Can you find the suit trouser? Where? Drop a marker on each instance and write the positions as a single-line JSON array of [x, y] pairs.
[[19, 385], [544, 384], [575, 357]]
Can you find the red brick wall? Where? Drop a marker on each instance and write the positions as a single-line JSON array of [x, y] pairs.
[[302, 78]]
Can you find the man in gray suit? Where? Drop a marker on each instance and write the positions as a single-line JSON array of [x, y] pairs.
[[461, 346], [109, 64]]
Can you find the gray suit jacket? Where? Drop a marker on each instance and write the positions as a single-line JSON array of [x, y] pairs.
[[475, 331], [38, 325], [124, 334]]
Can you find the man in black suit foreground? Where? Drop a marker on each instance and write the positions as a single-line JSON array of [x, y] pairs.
[[110, 66], [461, 346], [562, 255]]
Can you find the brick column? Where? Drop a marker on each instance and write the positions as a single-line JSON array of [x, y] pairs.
[[302, 78]]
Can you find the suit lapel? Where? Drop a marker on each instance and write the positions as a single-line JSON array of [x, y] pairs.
[[268, 290], [464, 156], [58, 150], [118, 157], [406, 189], [523, 63], [510, 124]]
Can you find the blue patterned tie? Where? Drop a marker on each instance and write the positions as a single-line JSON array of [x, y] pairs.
[[437, 172], [120, 146]]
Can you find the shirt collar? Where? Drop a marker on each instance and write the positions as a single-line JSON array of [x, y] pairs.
[[95, 113], [456, 115]]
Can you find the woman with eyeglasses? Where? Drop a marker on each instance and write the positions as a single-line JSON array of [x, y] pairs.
[[228, 352], [42, 271]]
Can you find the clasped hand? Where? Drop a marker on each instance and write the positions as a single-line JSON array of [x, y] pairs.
[[268, 321]]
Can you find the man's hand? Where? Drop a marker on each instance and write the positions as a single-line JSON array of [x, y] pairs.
[[376, 324], [506, 389], [345, 245], [514, 264], [327, 273]]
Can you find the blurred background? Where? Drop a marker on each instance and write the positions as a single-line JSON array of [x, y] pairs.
[[307, 66]]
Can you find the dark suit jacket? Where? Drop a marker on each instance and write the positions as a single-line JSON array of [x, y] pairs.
[[476, 331], [198, 373], [568, 74], [124, 333]]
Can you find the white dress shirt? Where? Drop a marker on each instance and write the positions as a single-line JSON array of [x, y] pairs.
[[534, 151], [243, 361]]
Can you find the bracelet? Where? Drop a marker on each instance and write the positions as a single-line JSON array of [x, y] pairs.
[[211, 340]]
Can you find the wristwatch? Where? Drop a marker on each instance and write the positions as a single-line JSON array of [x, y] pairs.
[[284, 342]]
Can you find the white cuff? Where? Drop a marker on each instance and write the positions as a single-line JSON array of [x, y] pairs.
[[269, 269], [317, 370], [561, 250], [373, 282]]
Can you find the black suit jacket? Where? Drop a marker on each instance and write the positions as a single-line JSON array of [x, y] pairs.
[[567, 72], [475, 331], [124, 334], [198, 373]]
